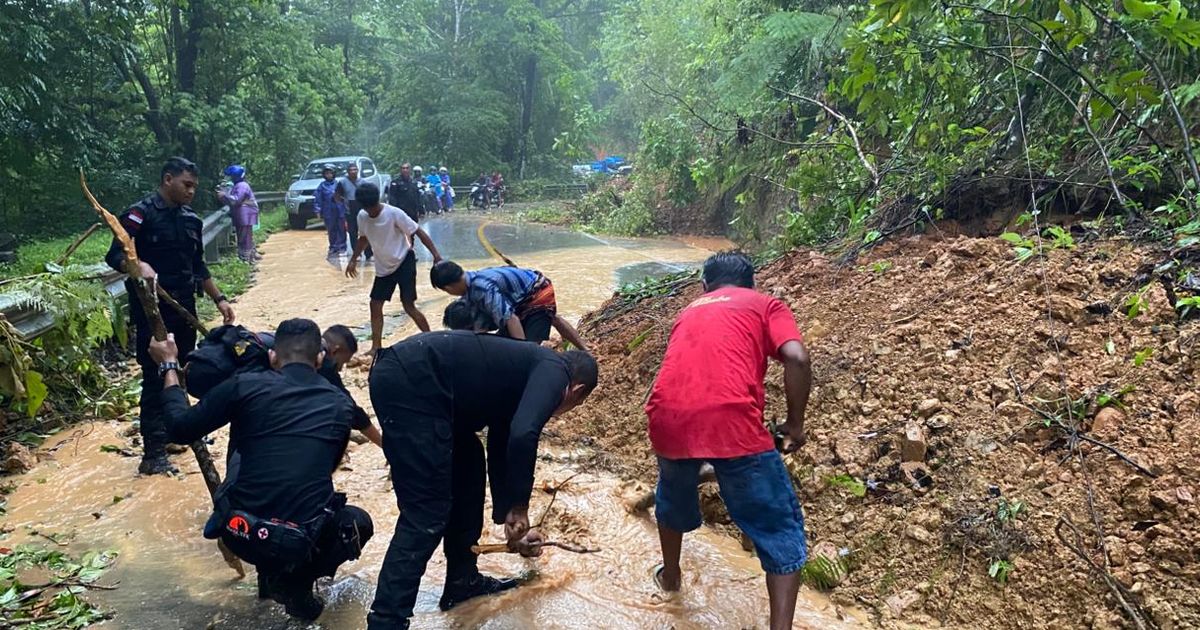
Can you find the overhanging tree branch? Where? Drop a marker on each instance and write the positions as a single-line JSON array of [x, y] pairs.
[[862, 156]]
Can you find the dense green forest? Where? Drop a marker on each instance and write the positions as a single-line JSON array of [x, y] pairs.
[[780, 120]]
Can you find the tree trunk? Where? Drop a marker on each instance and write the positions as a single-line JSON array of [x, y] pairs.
[[188, 44], [526, 114]]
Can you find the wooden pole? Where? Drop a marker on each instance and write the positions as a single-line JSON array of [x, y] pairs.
[[146, 295]]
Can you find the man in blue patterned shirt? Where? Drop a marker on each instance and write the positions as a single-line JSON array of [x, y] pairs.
[[520, 301]]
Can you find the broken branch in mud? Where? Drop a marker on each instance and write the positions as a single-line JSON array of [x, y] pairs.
[[1112, 449], [1123, 596], [503, 547], [147, 297], [554, 490]]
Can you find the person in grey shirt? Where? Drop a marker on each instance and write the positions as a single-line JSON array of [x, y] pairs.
[[347, 189]]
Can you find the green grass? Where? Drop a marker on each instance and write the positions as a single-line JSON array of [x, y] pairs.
[[32, 257], [553, 213]]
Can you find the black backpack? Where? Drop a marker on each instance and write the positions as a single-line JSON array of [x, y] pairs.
[[226, 351]]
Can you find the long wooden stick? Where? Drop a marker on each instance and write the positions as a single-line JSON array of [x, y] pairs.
[[183, 312], [146, 296], [62, 260], [503, 548]]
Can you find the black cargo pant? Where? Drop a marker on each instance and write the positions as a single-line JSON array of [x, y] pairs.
[[154, 431], [339, 540], [438, 474]]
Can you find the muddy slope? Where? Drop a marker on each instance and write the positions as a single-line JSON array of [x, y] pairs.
[[977, 357]]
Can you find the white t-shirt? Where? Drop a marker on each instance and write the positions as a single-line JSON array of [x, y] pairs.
[[390, 235]]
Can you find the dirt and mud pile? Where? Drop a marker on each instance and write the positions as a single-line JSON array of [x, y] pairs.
[[971, 413]]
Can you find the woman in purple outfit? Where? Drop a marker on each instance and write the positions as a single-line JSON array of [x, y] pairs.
[[243, 209]]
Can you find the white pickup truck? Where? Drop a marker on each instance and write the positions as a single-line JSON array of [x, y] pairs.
[[299, 198]]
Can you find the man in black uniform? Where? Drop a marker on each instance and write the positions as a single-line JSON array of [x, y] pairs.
[[432, 393], [404, 193], [290, 428], [167, 235], [340, 346]]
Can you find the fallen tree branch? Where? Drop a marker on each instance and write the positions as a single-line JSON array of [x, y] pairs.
[[183, 312], [62, 260], [503, 547], [1112, 449], [1118, 590], [146, 296], [862, 156], [554, 495]]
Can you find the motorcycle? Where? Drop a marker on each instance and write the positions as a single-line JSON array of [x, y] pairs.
[[480, 194], [496, 193], [429, 200]]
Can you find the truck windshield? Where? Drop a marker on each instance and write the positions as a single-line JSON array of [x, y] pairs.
[[313, 170]]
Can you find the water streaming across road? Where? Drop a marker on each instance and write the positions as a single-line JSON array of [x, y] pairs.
[[169, 577]]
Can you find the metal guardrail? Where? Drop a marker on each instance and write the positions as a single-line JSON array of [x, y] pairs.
[[217, 235]]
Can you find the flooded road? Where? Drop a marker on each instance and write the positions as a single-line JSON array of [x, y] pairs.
[[170, 577]]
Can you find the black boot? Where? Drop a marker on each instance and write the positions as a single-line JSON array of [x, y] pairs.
[[265, 586], [459, 591], [297, 598], [156, 465]]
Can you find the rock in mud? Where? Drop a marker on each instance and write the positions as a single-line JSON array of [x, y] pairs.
[[1107, 423], [928, 407], [1066, 309], [19, 459], [919, 534], [902, 601], [913, 445]]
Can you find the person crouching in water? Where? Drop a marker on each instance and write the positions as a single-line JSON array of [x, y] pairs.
[[520, 302], [707, 406], [291, 428]]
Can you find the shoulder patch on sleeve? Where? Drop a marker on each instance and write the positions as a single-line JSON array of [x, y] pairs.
[[133, 219]]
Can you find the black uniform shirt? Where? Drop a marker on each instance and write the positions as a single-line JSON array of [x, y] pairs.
[[290, 427], [406, 196], [169, 238], [510, 387], [359, 420]]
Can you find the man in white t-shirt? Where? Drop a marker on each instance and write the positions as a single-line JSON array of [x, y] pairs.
[[389, 230]]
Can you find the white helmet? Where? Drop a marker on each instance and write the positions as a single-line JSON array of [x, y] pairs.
[[443, 170], [417, 169]]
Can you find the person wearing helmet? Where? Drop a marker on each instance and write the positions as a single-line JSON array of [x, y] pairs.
[[435, 184], [331, 211], [447, 191], [243, 210]]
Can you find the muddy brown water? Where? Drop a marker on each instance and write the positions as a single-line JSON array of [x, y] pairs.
[[168, 576]]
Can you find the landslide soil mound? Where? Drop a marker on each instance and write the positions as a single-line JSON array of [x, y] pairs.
[[1009, 374]]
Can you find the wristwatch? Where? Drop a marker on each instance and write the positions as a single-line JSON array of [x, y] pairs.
[[167, 366], [220, 298]]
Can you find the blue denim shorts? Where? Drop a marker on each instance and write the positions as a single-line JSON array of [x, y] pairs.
[[759, 494]]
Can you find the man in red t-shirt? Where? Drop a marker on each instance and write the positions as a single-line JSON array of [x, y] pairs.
[[707, 405]]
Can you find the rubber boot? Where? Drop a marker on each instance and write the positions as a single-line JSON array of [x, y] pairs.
[[459, 591], [157, 465]]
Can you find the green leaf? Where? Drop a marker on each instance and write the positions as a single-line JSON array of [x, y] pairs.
[[850, 484], [1012, 237], [1142, 356], [1142, 10], [1068, 12], [35, 392], [1110, 347]]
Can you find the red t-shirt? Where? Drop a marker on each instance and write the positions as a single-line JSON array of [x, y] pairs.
[[708, 399]]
